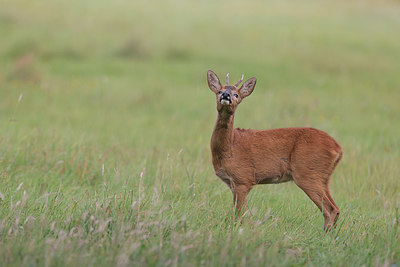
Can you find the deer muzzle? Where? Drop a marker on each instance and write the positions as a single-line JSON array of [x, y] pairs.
[[225, 98]]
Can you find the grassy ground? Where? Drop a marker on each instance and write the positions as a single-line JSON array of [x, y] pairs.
[[105, 121]]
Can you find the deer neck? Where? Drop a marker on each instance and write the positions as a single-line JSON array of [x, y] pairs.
[[221, 140]]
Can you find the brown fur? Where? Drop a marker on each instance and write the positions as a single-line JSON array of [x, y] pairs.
[[244, 158]]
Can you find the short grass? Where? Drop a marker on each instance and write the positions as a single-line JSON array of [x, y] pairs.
[[105, 121]]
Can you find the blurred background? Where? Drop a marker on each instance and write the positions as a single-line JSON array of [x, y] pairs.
[[133, 72]]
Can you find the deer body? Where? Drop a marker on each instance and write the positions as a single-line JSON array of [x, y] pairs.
[[244, 158]]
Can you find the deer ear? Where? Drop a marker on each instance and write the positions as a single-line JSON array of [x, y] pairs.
[[247, 87], [213, 81]]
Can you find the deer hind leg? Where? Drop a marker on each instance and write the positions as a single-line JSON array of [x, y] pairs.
[[239, 197], [318, 192], [336, 212]]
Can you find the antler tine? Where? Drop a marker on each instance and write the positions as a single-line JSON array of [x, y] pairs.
[[241, 80], [227, 78]]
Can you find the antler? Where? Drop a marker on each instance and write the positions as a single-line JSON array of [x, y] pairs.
[[227, 78], [236, 85]]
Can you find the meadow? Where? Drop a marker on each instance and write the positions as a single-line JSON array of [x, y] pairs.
[[106, 119]]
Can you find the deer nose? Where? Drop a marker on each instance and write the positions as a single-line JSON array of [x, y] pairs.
[[226, 95]]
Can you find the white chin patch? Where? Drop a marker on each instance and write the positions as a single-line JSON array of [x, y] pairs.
[[224, 102]]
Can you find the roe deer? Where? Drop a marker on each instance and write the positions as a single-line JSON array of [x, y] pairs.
[[244, 158]]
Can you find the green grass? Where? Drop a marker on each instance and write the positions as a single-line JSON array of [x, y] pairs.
[[105, 160]]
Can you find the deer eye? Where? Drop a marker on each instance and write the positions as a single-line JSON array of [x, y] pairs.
[[235, 95], [220, 92]]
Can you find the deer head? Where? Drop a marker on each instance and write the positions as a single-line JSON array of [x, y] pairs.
[[229, 96]]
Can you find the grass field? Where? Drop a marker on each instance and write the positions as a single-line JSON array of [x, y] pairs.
[[106, 117]]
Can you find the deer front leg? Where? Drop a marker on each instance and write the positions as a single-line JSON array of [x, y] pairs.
[[239, 197]]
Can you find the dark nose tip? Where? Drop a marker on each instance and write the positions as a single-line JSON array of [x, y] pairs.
[[226, 95]]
